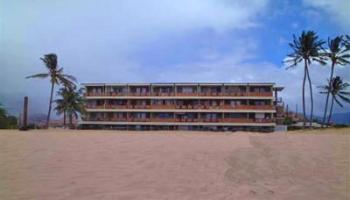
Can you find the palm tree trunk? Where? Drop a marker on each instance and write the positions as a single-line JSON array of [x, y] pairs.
[[50, 105], [303, 94], [330, 111], [328, 92], [311, 97], [64, 119], [70, 121]]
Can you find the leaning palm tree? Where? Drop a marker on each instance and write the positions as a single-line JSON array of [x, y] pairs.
[[338, 54], [337, 89], [306, 48], [56, 76], [70, 104]]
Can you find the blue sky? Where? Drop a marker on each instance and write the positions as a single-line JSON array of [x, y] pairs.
[[161, 41]]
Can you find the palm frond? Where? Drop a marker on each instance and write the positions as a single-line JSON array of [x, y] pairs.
[[343, 92], [338, 102], [70, 77], [41, 75], [344, 98]]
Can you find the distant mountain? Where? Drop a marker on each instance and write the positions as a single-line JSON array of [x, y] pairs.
[[341, 118], [37, 118]]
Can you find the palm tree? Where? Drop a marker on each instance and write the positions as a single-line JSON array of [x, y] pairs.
[[338, 54], [62, 104], [70, 104], [337, 89], [56, 76], [306, 48], [347, 41]]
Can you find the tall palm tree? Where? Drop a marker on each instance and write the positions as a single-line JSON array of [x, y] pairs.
[[337, 89], [306, 48], [70, 104], [56, 76], [338, 54]]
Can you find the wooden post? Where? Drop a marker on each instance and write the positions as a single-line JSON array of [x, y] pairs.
[[25, 114]]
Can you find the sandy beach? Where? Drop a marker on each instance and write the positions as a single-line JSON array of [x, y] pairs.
[[62, 164]]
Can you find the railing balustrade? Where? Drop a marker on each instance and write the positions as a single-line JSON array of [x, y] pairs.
[[205, 120], [189, 107], [235, 94]]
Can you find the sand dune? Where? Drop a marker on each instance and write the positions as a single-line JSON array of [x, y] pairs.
[[61, 164]]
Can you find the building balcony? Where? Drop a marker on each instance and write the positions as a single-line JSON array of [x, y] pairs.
[[94, 94], [171, 106], [186, 94], [180, 94], [185, 120], [163, 94], [142, 94], [184, 107]]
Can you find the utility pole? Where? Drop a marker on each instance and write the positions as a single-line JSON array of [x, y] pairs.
[[25, 114]]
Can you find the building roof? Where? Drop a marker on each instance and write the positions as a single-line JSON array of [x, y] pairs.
[[278, 88]]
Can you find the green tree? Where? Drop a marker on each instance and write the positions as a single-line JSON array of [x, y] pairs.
[[306, 48], [2, 117], [56, 76], [337, 89], [7, 121], [338, 54], [71, 103]]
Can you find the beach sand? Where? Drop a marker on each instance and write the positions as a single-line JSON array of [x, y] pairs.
[[85, 165]]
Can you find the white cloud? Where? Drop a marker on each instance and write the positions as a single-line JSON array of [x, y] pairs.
[[234, 68], [103, 33], [338, 10], [94, 38], [125, 21]]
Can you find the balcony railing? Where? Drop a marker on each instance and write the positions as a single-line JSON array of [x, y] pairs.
[[189, 107], [171, 106], [163, 94], [203, 120], [234, 94], [186, 94]]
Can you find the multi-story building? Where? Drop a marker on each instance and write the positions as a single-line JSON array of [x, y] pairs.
[[188, 106]]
